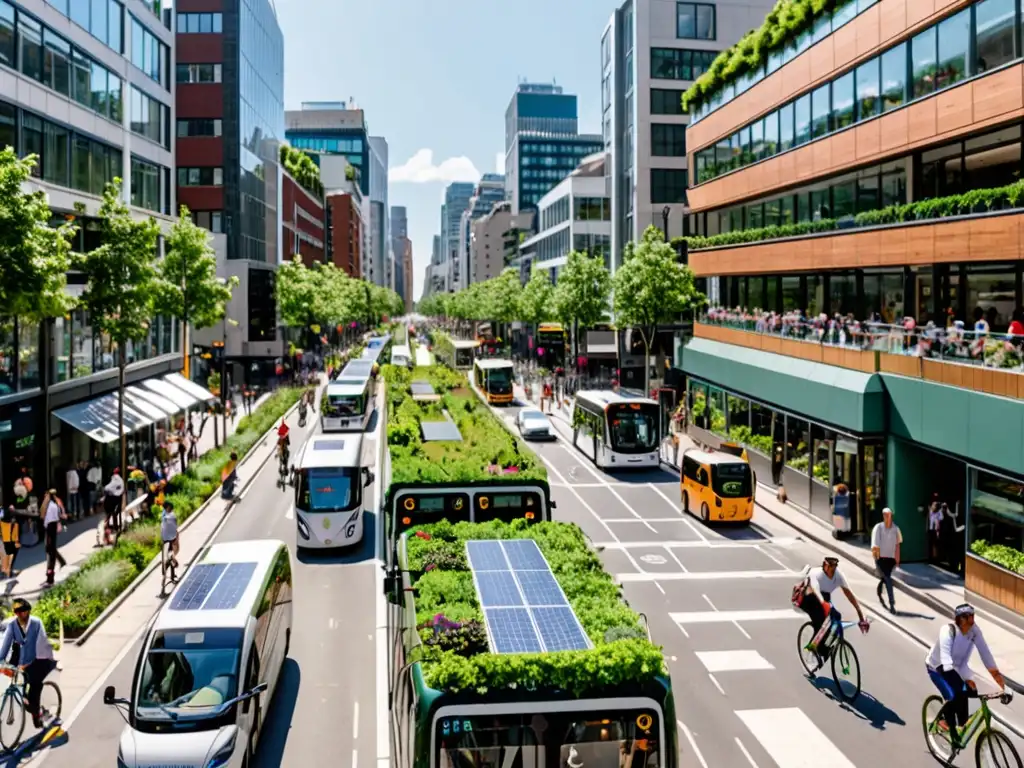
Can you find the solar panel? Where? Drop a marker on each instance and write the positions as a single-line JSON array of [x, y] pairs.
[[498, 589], [486, 556], [512, 631], [559, 629], [231, 587], [436, 431], [328, 445], [197, 585], [525, 555], [422, 388], [540, 588]]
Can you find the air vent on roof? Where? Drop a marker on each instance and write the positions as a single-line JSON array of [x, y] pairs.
[[328, 445]]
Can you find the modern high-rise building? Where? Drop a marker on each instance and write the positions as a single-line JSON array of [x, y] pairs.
[[407, 275], [489, 191], [381, 270], [651, 51], [230, 124], [332, 127], [400, 243], [542, 142], [494, 240], [456, 200]]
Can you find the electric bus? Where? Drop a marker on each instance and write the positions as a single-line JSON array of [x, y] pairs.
[[329, 483], [615, 430]]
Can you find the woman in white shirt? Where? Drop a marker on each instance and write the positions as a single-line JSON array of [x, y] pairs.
[[52, 512], [948, 668]]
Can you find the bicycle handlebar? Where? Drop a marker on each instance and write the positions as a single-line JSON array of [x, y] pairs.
[[1005, 697]]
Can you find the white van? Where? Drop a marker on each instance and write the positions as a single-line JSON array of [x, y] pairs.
[[401, 355], [329, 496], [210, 661]]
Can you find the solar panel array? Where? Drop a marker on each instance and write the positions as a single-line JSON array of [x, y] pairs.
[[525, 609], [213, 587], [421, 388], [437, 431]]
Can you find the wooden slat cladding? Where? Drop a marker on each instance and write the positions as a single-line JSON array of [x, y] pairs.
[[880, 26], [970, 107], [985, 238]]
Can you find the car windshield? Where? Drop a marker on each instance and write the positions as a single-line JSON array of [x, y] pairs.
[[327, 490], [188, 672], [535, 416], [731, 481]]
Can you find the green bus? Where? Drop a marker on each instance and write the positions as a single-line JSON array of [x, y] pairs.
[[454, 622]]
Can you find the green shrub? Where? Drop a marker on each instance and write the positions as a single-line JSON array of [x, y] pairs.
[[81, 598], [621, 653], [1006, 557]]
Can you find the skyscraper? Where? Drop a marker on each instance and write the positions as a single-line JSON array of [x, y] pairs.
[[400, 243], [489, 190], [456, 200], [542, 142], [333, 127]]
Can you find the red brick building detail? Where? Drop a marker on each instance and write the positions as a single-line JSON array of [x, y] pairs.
[[302, 220], [346, 233]]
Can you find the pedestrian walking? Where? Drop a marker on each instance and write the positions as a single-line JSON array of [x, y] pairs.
[[71, 480], [52, 513], [113, 493], [934, 527], [886, 539], [182, 451], [9, 534], [84, 506], [94, 481]]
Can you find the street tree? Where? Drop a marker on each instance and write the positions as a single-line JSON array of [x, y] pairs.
[[295, 288], [122, 283], [536, 301], [189, 287], [583, 293], [652, 287]]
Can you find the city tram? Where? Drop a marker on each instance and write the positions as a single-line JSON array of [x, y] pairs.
[[615, 430]]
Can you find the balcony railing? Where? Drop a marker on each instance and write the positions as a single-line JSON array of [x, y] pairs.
[[953, 344]]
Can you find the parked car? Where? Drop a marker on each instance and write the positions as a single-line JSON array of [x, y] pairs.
[[534, 425]]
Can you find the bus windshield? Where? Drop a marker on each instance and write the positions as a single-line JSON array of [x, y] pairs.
[[327, 490], [731, 481], [623, 739], [633, 427], [495, 379], [344, 405]]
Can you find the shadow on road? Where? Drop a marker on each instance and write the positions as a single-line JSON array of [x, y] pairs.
[[278, 717], [865, 707], [362, 552]]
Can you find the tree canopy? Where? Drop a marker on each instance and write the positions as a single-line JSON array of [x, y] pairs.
[[583, 291], [536, 302]]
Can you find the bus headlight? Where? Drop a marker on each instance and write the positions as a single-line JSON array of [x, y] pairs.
[[303, 528]]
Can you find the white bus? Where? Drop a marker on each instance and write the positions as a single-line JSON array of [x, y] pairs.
[[348, 402], [401, 355], [210, 661], [615, 430], [329, 492]]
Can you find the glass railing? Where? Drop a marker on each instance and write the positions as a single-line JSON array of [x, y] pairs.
[[952, 344]]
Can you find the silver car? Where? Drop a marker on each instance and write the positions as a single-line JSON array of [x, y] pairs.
[[534, 425]]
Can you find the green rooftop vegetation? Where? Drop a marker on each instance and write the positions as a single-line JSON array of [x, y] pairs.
[[302, 168], [455, 652]]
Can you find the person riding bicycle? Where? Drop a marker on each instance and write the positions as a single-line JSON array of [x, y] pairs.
[[302, 409], [283, 444], [31, 651], [169, 531], [815, 598], [948, 669]]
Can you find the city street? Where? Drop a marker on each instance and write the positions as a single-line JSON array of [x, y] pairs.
[[717, 599], [325, 707]]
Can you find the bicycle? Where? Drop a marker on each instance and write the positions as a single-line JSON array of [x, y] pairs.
[[168, 565], [991, 742], [282, 471], [12, 706], [845, 665]]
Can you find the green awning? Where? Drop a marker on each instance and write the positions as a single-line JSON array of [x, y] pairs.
[[851, 400]]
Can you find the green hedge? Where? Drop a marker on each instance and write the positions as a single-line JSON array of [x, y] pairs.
[[82, 597], [456, 657], [1006, 557], [975, 201], [486, 452]]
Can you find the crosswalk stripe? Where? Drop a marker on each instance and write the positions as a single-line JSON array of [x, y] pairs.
[[690, 543], [792, 739], [705, 575], [733, 661], [710, 617]]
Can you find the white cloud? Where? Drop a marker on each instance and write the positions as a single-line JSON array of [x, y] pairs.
[[420, 168], [499, 162]]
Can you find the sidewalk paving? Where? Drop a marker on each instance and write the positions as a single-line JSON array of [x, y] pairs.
[[936, 589], [78, 540]]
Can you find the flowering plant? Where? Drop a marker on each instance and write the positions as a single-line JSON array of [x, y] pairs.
[[136, 476]]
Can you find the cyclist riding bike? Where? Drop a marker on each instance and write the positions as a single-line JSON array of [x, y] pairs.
[[948, 668], [169, 531], [283, 444], [32, 653], [816, 598], [302, 410]]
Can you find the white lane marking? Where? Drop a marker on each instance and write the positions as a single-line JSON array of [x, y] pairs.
[[290, 514], [704, 576], [634, 520], [660, 588], [773, 557], [683, 630], [381, 623], [741, 629], [682, 515], [733, 661], [792, 739], [693, 744], [711, 617], [332, 623], [355, 721], [614, 493], [678, 561], [687, 544], [735, 623], [745, 753], [717, 684], [708, 601], [355, 758]]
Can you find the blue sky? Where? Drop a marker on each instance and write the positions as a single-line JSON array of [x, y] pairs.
[[435, 79]]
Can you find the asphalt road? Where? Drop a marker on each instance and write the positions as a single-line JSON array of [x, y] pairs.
[[325, 707], [717, 600]]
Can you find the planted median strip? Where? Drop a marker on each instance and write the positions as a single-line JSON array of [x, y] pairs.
[[79, 600]]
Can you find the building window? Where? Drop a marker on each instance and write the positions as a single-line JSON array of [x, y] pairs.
[[680, 63], [820, 111], [146, 185], [57, 63], [149, 117], [994, 37], [198, 73], [199, 127], [923, 62], [842, 102], [211, 220], [56, 151], [668, 140], [668, 185], [695, 21], [954, 36], [6, 34], [32, 140], [868, 102], [666, 102], [8, 125], [149, 54], [262, 307], [200, 23], [894, 77], [30, 42], [200, 177]]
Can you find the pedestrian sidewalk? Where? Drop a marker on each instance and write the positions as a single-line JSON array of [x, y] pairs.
[[79, 538]]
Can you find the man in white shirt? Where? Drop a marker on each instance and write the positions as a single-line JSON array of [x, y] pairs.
[[886, 539], [94, 477], [948, 668], [112, 493], [71, 478], [816, 601]]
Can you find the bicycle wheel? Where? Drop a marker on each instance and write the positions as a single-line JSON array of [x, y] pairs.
[[995, 750], [51, 700], [12, 718], [936, 739], [846, 670], [810, 660]]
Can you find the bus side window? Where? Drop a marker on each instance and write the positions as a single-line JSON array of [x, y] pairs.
[[702, 476], [690, 468]]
